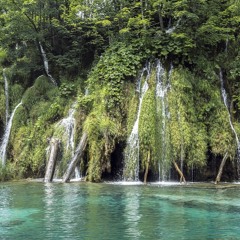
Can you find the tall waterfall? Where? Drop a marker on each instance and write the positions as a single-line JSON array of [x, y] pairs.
[[224, 96], [6, 94], [131, 169], [5, 140], [45, 62], [161, 93]]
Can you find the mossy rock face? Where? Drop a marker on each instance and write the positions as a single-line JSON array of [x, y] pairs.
[[16, 92], [42, 90], [2, 105]]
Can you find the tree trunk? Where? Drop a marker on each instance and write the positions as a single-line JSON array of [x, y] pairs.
[[182, 178], [147, 167], [78, 154], [54, 145], [218, 178]]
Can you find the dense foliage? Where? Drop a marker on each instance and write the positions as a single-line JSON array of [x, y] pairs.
[[95, 51]]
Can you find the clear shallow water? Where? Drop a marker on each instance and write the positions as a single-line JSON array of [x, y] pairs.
[[108, 211]]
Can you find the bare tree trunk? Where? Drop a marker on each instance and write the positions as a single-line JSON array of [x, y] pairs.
[[182, 178], [147, 167], [218, 178], [78, 154], [54, 145]]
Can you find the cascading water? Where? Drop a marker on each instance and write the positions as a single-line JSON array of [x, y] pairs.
[[5, 140], [131, 169], [172, 29], [45, 62], [68, 124], [161, 93], [6, 94], [224, 96]]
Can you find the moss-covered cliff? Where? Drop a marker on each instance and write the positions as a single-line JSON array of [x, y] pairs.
[[96, 54]]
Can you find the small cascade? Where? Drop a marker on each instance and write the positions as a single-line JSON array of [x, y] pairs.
[[6, 94], [69, 124], [161, 94], [45, 62], [131, 169], [77, 172], [170, 30], [224, 96], [5, 140]]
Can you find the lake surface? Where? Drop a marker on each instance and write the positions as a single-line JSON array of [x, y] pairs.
[[32, 210]]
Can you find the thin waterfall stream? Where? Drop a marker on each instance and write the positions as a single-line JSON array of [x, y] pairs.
[[131, 171], [5, 140], [225, 100], [45, 62], [161, 94]]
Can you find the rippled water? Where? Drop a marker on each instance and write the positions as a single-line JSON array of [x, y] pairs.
[[108, 211]]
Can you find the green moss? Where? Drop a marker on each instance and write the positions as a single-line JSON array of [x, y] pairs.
[[188, 136], [2, 105], [42, 90], [221, 137], [131, 113], [148, 127], [16, 92]]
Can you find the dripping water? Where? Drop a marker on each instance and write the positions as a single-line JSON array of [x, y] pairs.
[[5, 140], [131, 171], [182, 150], [224, 96], [161, 93]]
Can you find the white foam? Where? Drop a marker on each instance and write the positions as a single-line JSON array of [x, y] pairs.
[[164, 183], [126, 183]]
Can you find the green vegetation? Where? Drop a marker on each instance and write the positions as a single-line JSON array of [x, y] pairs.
[[100, 48]]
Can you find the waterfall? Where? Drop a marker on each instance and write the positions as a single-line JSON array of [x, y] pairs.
[[224, 96], [4, 143], [131, 169], [161, 93], [172, 29], [6, 94], [45, 62], [68, 124]]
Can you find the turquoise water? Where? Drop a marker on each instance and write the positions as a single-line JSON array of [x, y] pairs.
[[30, 210]]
